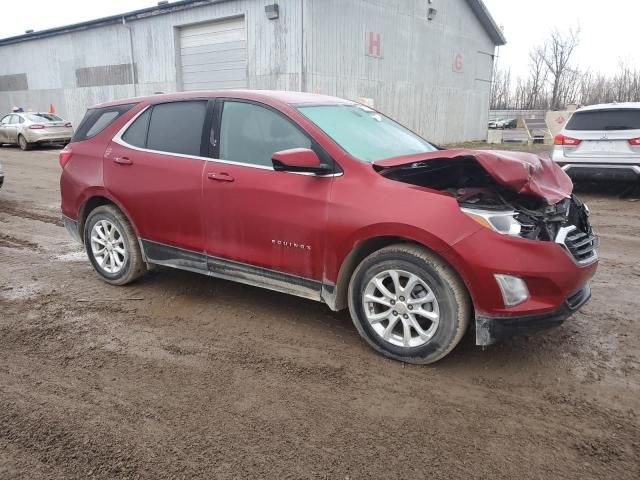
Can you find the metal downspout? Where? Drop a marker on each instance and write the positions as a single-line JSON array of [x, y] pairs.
[[131, 59]]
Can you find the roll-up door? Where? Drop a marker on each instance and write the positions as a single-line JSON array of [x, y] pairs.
[[214, 55]]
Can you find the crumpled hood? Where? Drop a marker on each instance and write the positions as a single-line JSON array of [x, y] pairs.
[[522, 172]]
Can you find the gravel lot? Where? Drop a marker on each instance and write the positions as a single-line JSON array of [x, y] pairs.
[[184, 376]]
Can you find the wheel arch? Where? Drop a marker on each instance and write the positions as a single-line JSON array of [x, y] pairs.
[[336, 296], [94, 201]]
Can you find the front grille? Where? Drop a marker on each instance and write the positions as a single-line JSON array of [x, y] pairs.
[[581, 245]]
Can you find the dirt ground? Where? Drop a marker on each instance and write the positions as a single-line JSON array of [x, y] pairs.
[[184, 376]]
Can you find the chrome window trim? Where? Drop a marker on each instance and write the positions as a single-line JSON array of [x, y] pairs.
[[118, 139]]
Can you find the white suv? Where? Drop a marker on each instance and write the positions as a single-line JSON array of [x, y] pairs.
[[601, 142]]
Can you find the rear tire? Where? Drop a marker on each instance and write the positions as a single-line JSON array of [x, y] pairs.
[[408, 304], [112, 246], [23, 144]]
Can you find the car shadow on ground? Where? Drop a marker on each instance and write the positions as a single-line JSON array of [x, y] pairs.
[[614, 189], [295, 315], [52, 146]]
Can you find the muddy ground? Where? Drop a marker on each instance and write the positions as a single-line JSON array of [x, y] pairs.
[[184, 376]]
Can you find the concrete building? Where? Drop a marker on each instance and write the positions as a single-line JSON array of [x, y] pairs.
[[427, 63]]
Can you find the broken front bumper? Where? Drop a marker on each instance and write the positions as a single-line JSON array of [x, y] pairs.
[[491, 329]]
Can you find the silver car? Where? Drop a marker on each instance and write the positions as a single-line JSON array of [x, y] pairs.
[[28, 128], [601, 142]]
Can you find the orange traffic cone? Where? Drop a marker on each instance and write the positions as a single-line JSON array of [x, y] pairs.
[[51, 109]]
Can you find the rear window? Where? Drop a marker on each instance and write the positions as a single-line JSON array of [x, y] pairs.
[[97, 119], [615, 119], [43, 117]]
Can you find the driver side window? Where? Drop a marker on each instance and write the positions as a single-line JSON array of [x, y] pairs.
[[5, 120], [251, 134]]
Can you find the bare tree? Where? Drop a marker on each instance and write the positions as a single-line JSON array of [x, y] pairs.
[[553, 82], [501, 90], [557, 54], [538, 73]]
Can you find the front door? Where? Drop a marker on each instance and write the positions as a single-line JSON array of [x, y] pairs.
[[273, 221], [9, 129], [155, 171]]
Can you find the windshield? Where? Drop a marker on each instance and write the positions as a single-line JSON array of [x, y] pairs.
[[620, 119], [43, 117], [364, 133]]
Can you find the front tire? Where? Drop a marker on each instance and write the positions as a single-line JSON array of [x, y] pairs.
[[23, 144], [112, 246], [408, 304]]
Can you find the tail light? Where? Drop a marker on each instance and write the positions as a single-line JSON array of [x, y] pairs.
[[36, 126], [65, 156], [68, 125], [635, 142], [561, 139]]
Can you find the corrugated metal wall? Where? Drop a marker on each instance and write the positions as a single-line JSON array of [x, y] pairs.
[[51, 64], [413, 80]]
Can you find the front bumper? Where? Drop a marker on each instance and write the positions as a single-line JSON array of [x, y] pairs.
[[491, 329]]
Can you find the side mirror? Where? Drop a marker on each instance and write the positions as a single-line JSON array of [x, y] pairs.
[[298, 160]]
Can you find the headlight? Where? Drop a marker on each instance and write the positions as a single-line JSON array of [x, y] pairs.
[[501, 222]]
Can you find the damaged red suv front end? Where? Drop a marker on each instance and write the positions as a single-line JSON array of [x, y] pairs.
[[529, 268]]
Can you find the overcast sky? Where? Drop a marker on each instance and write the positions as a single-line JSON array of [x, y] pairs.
[[609, 28]]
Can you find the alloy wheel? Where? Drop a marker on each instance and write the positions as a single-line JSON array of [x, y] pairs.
[[401, 308], [108, 246]]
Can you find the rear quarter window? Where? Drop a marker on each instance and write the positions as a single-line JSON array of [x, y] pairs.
[[97, 119], [614, 119]]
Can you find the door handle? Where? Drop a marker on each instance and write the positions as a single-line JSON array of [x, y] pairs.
[[123, 161], [220, 177]]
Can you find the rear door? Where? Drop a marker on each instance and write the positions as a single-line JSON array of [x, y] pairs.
[[604, 134], [154, 169], [255, 215]]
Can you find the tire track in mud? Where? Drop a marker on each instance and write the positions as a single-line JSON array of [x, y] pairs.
[[10, 208], [15, 242]]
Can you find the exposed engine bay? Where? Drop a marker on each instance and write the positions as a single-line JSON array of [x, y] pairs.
[[477, 190]]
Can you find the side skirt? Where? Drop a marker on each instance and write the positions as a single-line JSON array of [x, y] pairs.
[[168, 256]]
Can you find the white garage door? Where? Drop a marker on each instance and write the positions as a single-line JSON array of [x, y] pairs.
[[214, 55]]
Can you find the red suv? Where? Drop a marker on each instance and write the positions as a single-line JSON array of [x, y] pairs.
[[330, 200]]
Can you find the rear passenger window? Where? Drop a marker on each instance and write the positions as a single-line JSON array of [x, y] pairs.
[[618, 119], [97, 119], [176, 127], [252, 134], [136, 134]]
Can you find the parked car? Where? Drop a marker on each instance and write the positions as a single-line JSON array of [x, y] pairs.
[[509, 123], [330, 200], [502, 123], [26, 129], [601, 142]]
